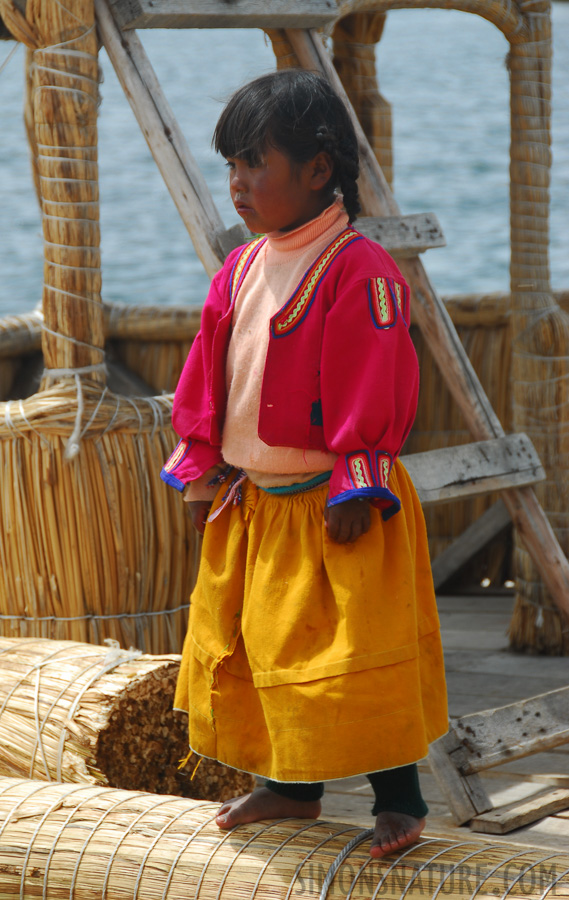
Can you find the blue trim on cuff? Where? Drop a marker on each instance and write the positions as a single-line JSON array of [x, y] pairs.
[[372, 493], [171, 480]]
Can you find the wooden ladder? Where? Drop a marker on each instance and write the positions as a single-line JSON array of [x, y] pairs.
[[482, 740], [496, 461]]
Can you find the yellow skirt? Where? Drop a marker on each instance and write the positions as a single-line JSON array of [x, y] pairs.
[[307, 660]]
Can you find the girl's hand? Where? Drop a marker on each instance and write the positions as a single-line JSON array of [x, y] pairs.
[[347, 521], [199, 511]]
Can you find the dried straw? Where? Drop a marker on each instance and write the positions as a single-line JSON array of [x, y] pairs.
[[540, 353], [95, 546], [355, 37], [80, 713], [79, 843]]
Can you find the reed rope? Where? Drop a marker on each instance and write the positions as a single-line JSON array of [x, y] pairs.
[[332, 871]]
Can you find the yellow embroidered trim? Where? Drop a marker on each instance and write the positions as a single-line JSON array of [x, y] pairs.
[[176, 456], [287, 319], [383, 308], [242, 262]]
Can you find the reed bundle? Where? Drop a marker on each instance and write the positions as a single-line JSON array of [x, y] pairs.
[[540, 329], [355, 37], [75, 712], [94, 546], [80, 843]]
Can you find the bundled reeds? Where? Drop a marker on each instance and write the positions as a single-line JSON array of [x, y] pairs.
[[355, 37], [540, 329], [61, 841], [94, 546], [91, 543], [75, 712]]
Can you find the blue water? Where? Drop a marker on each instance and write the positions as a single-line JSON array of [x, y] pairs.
[[444, 73]]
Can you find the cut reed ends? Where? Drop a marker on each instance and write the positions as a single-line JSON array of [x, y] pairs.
[[76, 712]]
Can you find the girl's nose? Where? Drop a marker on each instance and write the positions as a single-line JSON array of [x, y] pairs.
[[236, 179]]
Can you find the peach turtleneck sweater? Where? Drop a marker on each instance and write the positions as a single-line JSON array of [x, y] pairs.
[[272, 278]]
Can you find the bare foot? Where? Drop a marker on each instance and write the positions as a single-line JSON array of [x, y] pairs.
[[394, 831], [264, 804]]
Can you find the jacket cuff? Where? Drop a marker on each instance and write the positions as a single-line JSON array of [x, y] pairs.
[[364, 474], [189, 461]]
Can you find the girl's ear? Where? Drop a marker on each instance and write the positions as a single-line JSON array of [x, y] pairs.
[[322, 169]]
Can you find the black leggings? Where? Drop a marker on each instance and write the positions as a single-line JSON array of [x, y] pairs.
[[396, 790]]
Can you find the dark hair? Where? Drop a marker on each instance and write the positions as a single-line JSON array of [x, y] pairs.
[[298, 113]]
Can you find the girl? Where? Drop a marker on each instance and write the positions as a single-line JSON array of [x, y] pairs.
[[313, 648]]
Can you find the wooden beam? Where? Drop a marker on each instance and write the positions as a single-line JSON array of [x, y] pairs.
[[470, 542], [470, 469], [446, 348], [167, 144], [511, 732], [221, 14], [521, 812], [465, 796], [403, 236]]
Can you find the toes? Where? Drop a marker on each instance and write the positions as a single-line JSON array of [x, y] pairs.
[[389, 841], [223, 820]]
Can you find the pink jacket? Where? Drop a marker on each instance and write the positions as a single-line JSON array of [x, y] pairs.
[[340, 374]]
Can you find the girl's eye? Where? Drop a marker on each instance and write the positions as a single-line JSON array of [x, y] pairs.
[[229, 164]]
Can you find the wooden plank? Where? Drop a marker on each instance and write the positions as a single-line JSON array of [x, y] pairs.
[[466, 797], [167, 144], [470, 469], [522, 812], [470, 542], [449, 354], [551, 670], [512, 732], [235, 236], [221, 14], [403, 236]]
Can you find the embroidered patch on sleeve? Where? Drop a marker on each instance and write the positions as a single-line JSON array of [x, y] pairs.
[[383, 463], [177, 456], [382, 303], [359, 467]]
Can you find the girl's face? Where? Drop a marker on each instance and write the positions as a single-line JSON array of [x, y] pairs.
[[277, 194]]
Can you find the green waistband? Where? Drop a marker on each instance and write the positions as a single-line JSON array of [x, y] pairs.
[[299, 487]]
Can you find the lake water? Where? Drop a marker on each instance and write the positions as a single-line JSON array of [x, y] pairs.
[[444, 73]]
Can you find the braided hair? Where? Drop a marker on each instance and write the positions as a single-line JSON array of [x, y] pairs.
[[298, 113]]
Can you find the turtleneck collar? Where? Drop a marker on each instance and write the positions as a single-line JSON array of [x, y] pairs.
[[333, 219]]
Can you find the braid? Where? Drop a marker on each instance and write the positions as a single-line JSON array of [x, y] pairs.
[[344, 154]]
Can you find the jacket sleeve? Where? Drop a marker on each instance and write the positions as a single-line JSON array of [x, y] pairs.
[[369, 382], [198, 405]]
